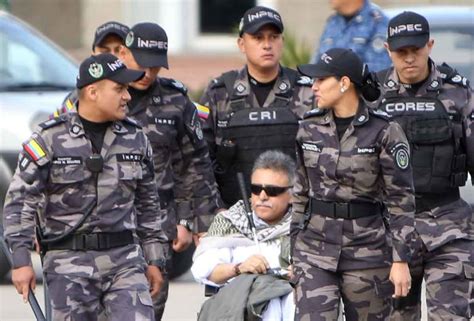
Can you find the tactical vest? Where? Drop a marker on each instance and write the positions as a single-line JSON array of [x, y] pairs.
[[435, 137], [248, 132]]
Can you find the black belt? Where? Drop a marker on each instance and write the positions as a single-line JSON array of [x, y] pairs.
[[94, 241], [427, 201], [348, 211]]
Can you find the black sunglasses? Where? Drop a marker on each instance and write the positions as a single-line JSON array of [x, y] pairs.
[[270, 190]]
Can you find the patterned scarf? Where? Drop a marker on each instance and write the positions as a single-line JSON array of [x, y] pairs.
[[235, 221]]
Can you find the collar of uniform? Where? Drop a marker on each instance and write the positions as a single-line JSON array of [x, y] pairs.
[[282, 85], [362, 115], [76, 128], [392, 83], [434, 80], [241, 84]]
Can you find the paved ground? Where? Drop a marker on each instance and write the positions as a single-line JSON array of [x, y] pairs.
[[184, 302], [185, 299]]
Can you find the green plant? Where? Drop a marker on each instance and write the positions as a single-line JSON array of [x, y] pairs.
[[294, 52]]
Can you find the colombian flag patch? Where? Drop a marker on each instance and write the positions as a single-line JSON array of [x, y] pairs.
[[34, 149], [203, 111]]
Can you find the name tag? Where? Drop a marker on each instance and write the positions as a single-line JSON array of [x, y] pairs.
[[165, 121], [67, 160], [366, 150], [312, 147], [129, 157]]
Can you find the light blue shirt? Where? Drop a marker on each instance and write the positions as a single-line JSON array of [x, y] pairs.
[[365, 34]]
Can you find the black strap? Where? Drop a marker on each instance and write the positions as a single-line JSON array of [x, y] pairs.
[[166, 196], [427, 201], [94, 241], [347, 211]]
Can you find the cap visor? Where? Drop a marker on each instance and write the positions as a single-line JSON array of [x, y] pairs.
[[408, 41], [314, 71], [256, 27], [126, 76], [148, 59]]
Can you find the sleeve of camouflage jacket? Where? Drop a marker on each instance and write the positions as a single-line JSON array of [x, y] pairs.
[[208, 124], [300, 189], [24, 199], [198, 172], [398, 190], [149, 215], [468, 126]]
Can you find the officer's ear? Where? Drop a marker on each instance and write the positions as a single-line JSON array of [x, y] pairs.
[[385, 44], [430, 45], [240, 43], [123, 51], [90, 91]]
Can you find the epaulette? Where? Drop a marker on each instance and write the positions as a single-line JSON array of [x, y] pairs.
[[314, 112], [132, 122], [376, 14], [220, 81], [379, 113], [451, 76], [304, 81], [175, 84], [52, 122]]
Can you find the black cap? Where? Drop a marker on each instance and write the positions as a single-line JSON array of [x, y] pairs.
[[111, 27], [257, 17], [406, 30], [149, 45], [337, 62], [105, 66]]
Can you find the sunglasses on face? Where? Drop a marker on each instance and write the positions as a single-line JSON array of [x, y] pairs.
[[270, 190]]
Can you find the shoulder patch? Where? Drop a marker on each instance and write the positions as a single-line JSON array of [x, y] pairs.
[[202, 111], [451, 75], [132, 122], [314, 112], [217, 82], [379, 113], [304, 81], [52, 122], [175, 84], [34, 150]]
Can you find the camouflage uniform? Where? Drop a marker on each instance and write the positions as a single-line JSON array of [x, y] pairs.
[[182, 167], [54, 186], [291, 91], [365, 34], [350, 258], [445, 250]]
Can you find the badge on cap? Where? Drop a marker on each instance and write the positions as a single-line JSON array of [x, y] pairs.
[[96, 70], [129, 39]]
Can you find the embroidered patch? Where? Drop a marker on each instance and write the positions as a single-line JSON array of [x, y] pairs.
[[312, 147], [366, 150], [401, 155], [23, 162], [34, 149], [125, 157], [203, 111], [67, 160]]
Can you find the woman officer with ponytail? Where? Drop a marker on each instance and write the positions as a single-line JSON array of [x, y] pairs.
[[353, 166]]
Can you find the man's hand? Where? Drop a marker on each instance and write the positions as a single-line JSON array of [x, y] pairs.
[[153, 274], [401, 279], [24, 278], [184, 238], [256, 264], [197, 238]]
